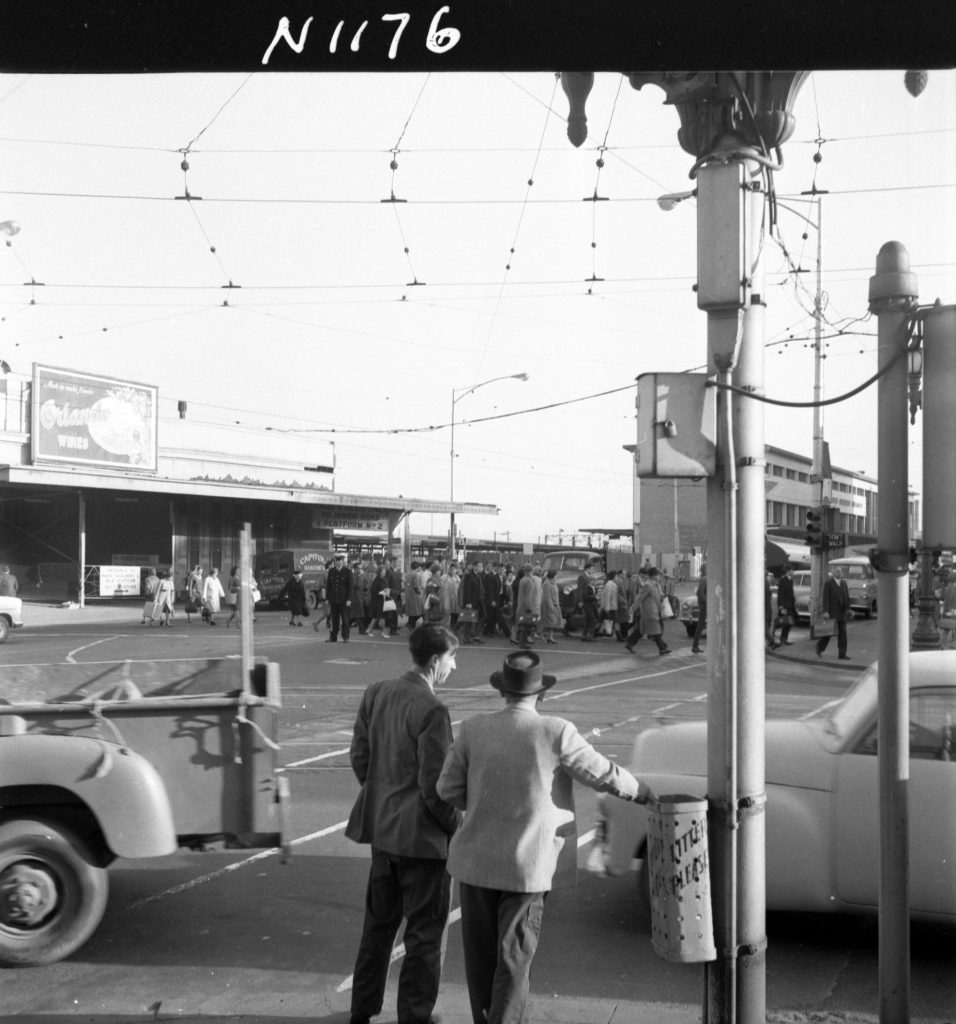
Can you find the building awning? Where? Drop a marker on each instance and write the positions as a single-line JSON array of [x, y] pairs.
[[84, 479], [779, 552]]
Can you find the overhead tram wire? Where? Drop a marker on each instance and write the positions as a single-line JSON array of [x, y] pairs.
[[493, 320], [596, 198], [395, 200]]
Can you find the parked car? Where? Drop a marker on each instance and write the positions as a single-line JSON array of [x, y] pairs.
[[822, 789], [11, 616], [689, 613], [861, 581], [801, 594]]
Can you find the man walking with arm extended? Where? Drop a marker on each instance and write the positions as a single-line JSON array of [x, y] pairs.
[[511, 772], [402, 734]]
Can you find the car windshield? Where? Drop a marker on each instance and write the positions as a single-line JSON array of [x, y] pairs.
[[858, 703]]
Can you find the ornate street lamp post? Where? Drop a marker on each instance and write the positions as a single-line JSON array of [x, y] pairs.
[[733, 124]]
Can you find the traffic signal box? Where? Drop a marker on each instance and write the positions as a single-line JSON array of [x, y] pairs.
[[816, 538]]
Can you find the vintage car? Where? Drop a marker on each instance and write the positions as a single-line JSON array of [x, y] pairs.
[[861, 581], [822, 789], [568, 567], [11, 616], [689, 613], [801, 594]]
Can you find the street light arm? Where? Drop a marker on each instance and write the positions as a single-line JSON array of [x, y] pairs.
[[451, 489], [474, 387]]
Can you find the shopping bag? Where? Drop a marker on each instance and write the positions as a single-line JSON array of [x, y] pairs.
[[667, 612], [149, 610], [388, 605], [468, 615]]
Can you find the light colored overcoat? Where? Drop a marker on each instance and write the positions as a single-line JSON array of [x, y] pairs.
[[511, 772]]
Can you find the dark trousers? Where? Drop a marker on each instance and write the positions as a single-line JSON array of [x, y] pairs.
[[841, 639], [339, 619], [590, 620], [418, 889], [787, 619], [702, 625], [499, 933]]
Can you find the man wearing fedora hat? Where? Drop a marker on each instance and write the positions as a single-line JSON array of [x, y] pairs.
[[511, 772], [402, 733]]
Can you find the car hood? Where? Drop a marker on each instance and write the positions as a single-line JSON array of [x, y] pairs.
[[797, 753]]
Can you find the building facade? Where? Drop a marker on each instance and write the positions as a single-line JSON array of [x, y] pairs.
[[93, 475], [670, 514]]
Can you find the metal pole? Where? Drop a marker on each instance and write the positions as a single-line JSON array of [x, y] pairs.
[[893, 295], [245, 605], [81, 517], [939, 458], [750, 454], [735, 982], [818, 557], [451, 488]]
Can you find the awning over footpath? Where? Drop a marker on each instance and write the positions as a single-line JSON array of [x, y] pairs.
[[780, 552]]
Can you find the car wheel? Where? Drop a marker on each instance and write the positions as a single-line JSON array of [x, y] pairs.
[[52, 892], [4, 629]]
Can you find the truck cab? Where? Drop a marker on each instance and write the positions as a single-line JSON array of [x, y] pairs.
[[568, 566], [275, 568]]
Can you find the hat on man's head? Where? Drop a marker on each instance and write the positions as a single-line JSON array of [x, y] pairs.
[[296, 572], [653, 571], [522, 674], [339, 557]]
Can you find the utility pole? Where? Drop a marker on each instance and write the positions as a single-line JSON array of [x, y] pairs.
[[733, 124], [893, 295], [821, 497]]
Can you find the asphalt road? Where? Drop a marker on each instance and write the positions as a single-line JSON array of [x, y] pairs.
[[233, 934]]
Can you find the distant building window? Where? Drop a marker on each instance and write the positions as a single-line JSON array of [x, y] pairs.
[[791, 474], [777, 470], [804, 478]]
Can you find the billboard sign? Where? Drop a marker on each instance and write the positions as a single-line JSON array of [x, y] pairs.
[[83, 419]]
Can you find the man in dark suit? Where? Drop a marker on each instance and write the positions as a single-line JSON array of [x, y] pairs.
[[836, 608], [786, 604], [491, 589], [402, 734], [338, 592]]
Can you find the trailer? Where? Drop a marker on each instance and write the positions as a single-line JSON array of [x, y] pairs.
[[125, 765]]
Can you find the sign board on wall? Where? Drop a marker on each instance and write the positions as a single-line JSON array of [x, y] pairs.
[[84, 419], [120, 580], [372, 519]]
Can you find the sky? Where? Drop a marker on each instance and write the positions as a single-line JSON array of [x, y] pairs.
[[360, 248]]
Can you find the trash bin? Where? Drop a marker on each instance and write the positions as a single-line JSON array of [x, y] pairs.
[[682, 925]]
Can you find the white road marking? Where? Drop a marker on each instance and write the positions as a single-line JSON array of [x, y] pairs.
[[70, 660]]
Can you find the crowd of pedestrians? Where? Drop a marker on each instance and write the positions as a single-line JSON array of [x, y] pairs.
[[479, 601], [476, 600]]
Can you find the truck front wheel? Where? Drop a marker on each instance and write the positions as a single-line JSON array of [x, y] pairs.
[[52, 892]]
